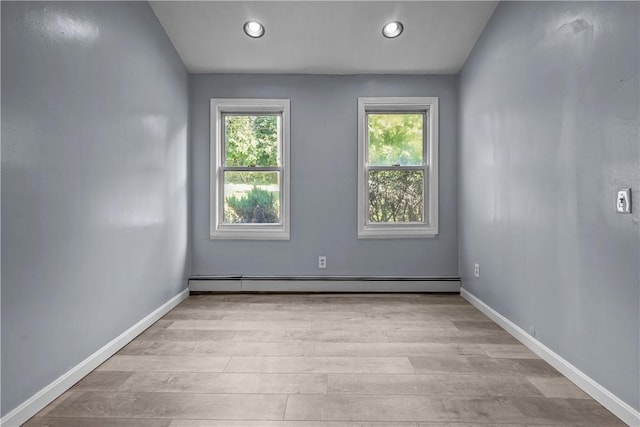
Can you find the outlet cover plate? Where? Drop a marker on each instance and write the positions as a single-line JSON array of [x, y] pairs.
[[322, 261], [623, 201]]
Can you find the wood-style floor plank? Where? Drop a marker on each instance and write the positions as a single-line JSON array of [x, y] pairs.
[[482, 366], [193, 348], [315, 335], [324, 360], [397, 349], [95, 404], [96, 422], [508, 351], [337, 316], [467, 337], [325, 365], [558, 387], [433, 385], [165, 363], [226, 383]]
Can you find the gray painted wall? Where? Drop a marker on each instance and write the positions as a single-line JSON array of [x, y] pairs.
[[323, 180], [548, 133], [94, 182]]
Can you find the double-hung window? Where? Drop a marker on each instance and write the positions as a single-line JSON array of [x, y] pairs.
[[250, 169], [397, 167]]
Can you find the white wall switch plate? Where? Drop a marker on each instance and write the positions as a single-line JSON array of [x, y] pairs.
[[623, 201]]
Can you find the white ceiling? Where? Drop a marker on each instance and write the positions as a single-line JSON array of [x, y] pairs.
[[324, 37]]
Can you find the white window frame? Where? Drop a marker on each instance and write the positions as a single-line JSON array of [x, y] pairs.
[[429, 226], [218, 229]]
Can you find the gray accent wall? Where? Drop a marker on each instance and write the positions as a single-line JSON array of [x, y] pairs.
[[549, 119], [323, 180], [94, 182]]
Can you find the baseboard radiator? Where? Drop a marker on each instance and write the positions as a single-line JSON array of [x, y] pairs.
[[323, 284]]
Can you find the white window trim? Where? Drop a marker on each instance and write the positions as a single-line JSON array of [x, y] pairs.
[[389, 231], [218, 230]]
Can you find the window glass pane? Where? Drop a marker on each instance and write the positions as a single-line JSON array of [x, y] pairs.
[[396, 196], [251, 140], [251, 197], [395, 139]]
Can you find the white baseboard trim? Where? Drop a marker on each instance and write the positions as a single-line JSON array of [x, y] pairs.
[[606, 398], [51, 392], [322, 285]]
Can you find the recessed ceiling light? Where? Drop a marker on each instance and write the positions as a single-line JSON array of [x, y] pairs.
[[392, 29], [254, 29]]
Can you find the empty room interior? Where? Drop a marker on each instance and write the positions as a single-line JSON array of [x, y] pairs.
[[320, 213]]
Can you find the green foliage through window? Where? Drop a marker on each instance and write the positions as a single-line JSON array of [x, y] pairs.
[[396, 196], [251, 140], [255, 206], [395, 139]]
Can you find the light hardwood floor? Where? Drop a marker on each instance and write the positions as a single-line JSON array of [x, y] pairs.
[[417, 360]]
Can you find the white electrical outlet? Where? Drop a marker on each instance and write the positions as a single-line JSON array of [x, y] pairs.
[[476, 270], [623, 201], [322, 261]]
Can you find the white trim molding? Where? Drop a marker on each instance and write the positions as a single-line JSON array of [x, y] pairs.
[[606, 398], [219, 229], [51, 392], [428, 227]]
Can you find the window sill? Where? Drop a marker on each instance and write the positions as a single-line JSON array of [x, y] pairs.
[[397, 233], [239, 234]]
